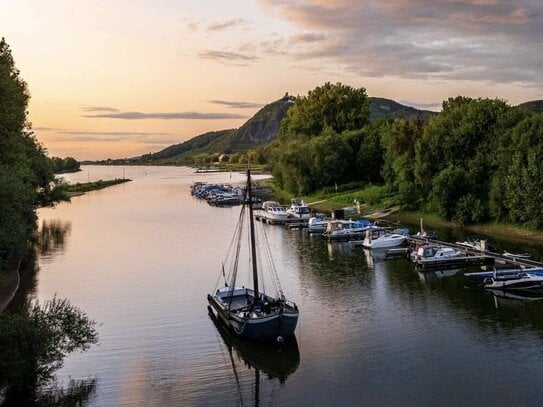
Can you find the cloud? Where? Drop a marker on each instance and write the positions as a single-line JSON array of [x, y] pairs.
[[481, 40], [229, 57], [423, 106], [220, 26], [237, 105], [98, 109], [197, 25], [114, 136], [166, 116]]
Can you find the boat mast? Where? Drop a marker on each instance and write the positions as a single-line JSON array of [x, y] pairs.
[[252, 231]]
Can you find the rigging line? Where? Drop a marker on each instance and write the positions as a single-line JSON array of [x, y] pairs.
[[267, 255], [273, 269], [236, 262], [229, 251]]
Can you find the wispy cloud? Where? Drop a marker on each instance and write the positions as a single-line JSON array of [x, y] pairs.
[[424, 106], [61, 135], [166, 116], [482, 40], [223, 25], [237, 105], [229, 57], [98, 109]]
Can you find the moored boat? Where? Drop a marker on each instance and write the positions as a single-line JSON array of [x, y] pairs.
[[298, 209], [249, 312], [340, 229], [378, 238], [273, 212], [317, 223], [519, 281]]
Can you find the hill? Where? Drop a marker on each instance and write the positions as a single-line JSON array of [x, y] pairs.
[[262, 128], [389, 109], [534, 106]]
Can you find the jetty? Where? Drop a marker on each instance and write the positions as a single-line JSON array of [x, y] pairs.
[[471, 257]]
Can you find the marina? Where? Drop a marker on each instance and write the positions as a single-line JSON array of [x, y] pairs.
[[367, 320]]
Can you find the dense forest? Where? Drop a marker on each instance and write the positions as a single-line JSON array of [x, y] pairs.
[[477, 160]]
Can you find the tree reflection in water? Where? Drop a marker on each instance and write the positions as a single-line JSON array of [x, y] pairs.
[[51, 236], [78, 393]]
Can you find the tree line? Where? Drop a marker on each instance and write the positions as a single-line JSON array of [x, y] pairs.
[[27, 180], [477, 160], [35, 338]]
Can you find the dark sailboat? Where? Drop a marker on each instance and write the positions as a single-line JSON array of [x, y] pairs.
[[249, 312]]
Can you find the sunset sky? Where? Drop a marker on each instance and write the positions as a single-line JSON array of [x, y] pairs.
[[113, 79]]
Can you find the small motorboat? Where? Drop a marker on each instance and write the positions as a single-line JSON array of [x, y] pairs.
[[519, 281], [378, 238], [298, 209], [317, 223]]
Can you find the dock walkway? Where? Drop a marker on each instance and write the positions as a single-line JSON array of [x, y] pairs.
[[473, 257]]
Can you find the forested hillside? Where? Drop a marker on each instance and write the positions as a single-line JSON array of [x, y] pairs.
[[259, 130]]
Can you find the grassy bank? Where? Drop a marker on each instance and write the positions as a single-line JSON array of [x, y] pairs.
[[376, 198], [82, 187], [371, 197], [503, 231]]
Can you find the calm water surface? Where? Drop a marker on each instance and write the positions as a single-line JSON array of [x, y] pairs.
[[141, 257]]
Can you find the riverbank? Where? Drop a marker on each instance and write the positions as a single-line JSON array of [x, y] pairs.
[[81, 187], [502, 231], [374, 203]]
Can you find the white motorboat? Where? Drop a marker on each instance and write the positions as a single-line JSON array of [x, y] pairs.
[[340, 229], [377, 238], [434, 252], [273, 212], [298, 209], [317, 223], [519, 281]]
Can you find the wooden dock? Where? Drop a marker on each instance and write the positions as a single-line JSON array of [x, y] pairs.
[[473, 257]]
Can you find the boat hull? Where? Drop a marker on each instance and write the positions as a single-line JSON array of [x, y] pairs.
[[276, 326]]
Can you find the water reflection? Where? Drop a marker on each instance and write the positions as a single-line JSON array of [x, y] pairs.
[[51, 236], [277, 363], [432, 276]]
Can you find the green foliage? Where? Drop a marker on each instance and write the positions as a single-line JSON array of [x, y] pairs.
[[337, 107], [399, 140], [68, 164], [35, 340]]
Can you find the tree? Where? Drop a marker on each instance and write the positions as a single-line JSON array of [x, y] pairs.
[[337, 107], [26, 176]]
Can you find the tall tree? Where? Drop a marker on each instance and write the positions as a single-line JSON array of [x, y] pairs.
[[337, 107]]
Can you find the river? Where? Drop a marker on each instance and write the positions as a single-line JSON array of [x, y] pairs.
[[140, 258]]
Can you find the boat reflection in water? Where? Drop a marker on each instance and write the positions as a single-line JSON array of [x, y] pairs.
[[504, 298], [276, 362]]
